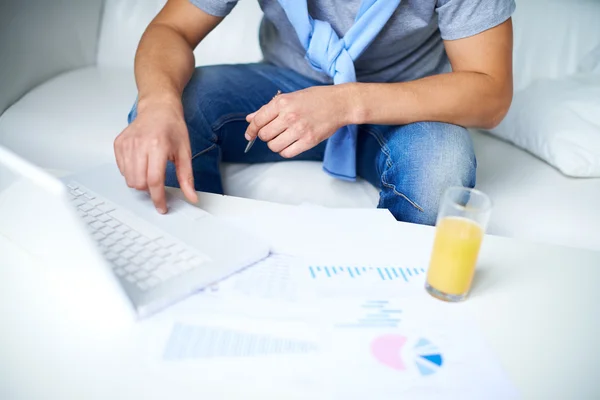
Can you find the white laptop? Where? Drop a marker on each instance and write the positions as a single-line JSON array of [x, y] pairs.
[[109, 240]]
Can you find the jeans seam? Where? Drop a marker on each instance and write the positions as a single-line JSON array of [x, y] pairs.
[[227, 118], [382, 144], [204, 151], [385, 149], [192, 129]]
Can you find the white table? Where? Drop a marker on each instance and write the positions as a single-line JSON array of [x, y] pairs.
[[537, 305]]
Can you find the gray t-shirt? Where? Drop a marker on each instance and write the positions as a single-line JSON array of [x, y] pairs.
[[409, 47]]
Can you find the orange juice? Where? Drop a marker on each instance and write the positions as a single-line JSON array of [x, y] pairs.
[[455, 250]]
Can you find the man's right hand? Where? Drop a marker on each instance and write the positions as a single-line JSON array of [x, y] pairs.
[[164, 64], [158, 134]]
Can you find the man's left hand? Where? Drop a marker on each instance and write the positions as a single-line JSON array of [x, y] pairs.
[[292, 123]]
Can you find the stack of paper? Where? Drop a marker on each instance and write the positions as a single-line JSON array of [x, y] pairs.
[[338, 311]]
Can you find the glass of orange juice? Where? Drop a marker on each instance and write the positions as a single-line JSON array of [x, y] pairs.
[[462, 219]]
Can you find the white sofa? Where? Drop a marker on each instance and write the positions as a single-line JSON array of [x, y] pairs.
[[67, 85]]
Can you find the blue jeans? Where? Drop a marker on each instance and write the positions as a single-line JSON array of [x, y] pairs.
[[412, 164]]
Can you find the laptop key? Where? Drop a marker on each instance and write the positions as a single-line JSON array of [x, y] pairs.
[[142, 240], [77, 202], [121, 262], [109, 241], [153, 264], [106, 208], [133, 235], [126, 242], [135, 223], [118, 248], [146, 266], [136, 248], [152, 246], [127, 254], [152, 281], [106, 231], [105, 218], [97, 225], [162, 274], [98, 236], [111, 222], [86, 207], [95, 212], [117, 235], [137, 260], [131, 268], [141, 275], [162, 253]]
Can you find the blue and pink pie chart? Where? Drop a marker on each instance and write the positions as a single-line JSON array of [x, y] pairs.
[[388, 350]]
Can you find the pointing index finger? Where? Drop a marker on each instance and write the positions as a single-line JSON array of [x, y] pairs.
[[157, 164]]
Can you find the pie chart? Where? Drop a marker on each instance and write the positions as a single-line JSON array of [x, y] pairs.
[[427, 357], [387, 349]]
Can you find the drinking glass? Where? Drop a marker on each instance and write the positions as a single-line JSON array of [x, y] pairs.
[[461, 223]]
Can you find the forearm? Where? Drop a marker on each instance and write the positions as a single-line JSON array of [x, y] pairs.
[[164, 64], [468, 99]]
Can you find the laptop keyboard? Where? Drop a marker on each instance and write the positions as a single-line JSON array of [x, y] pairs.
[[139, 252]]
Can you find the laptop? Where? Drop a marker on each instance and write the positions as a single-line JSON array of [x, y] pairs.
[[108, 242]]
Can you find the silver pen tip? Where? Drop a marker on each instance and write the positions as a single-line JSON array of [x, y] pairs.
[[249, 145]]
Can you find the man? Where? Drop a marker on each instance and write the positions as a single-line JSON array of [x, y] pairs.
[[396, 115]]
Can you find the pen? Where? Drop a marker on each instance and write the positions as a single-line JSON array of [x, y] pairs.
[[251, 142]]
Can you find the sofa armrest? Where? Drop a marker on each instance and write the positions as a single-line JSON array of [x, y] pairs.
[[42, 38]]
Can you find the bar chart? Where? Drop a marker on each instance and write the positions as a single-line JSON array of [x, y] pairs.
[[195, 341], [374, 314], [383, 273]]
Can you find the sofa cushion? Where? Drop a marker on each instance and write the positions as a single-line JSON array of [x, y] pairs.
[[235, 40], [41, 38], [69, 123], [558, 120]]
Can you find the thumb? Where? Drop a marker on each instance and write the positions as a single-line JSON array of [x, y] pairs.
[[185, 176]]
